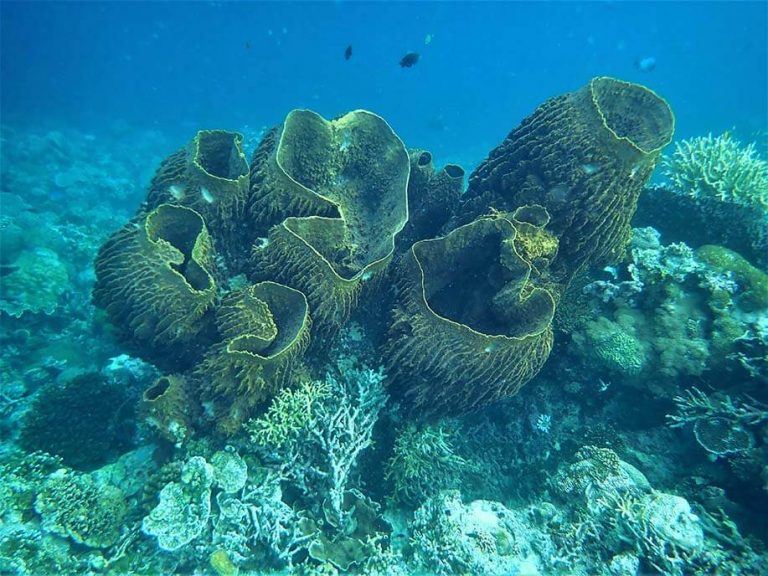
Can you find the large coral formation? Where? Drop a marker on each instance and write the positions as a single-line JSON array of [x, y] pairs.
[[585, 157], [154, 279], [210, 176], [471, 325], [266, 329], [344, 186]]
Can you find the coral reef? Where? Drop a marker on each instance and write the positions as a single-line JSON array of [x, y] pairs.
[[712, 182], [268, 294], [84, 421], [73, 505]]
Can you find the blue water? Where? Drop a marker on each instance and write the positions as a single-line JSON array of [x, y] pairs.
[[177, 66]]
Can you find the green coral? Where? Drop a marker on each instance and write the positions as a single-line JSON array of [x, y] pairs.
[[613, 347], [73, 505], [718, 168], [291, 411], [752, 282], [423, 461], [38, 281]]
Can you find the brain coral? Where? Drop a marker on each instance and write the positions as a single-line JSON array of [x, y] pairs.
[[470, 325], [585, 157]]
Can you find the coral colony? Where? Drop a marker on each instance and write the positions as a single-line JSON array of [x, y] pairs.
[[332, 358]]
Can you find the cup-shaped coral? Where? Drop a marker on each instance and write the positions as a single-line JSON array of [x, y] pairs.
[[339, 191], [154, 279], [209, 175], [266, 330], [470, 326], [585, 156]]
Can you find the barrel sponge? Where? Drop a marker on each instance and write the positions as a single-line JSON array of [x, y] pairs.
[[166, 406], [313, 255], [345, 198], [585, 156], [354, 167], [210, 175], [256, 360], [154, 277], [470, 326], [433, 197]]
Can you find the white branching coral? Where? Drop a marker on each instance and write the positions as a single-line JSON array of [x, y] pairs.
[[718, 168]]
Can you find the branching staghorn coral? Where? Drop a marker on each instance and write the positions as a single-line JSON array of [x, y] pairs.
[[316, 434], [719, 426], [695, 405], [718, 168]]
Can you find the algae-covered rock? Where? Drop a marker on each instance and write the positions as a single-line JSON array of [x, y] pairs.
[[155, 280], [470, 326], [585, 156]]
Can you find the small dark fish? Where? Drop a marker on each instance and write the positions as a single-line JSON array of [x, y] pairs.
[[348, 52], [247, 44], [409, 60]]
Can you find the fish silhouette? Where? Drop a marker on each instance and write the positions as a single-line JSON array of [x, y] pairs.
[[348, 52], [409, 60]]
